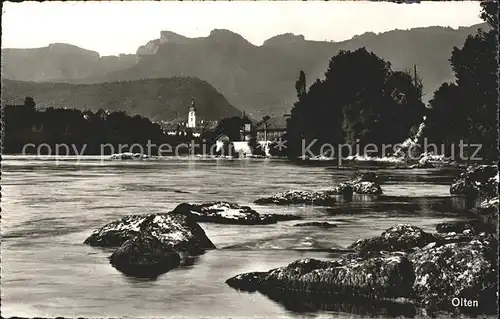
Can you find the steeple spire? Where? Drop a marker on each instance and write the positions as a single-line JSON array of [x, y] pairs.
[[192, 114], [193, 104]]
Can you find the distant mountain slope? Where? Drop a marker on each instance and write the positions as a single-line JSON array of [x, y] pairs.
[[157, 99], [428, 48], [261, 79], [60, 62]]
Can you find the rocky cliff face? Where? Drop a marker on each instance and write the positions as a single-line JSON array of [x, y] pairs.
[[59, 62], [260, 79], [151, 48], [286, 38]]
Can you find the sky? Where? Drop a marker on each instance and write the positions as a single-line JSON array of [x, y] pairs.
[[111, 28]]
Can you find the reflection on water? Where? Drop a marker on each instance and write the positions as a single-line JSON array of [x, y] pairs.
[[310, 303], [49, 208]]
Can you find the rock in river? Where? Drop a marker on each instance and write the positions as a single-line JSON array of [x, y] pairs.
[[487, 212], [229, 213], [408, 238], [144, 256], [465, 270], [299, 197], [460, 226], [172, 230], [427, 270], [364, 183], [316, 224], [385, 276], [477, 181], [128, 156], [149, 244], [480, 183], [401, 237]]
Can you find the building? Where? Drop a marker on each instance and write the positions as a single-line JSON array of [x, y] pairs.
[[272, 129], [182, 128], [245, 128], [192, 126], [192, 115]]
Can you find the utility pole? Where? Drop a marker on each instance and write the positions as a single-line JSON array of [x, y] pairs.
[[415, 78]]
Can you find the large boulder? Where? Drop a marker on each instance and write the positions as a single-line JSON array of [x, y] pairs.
[[149, 244], [380, 277], [299, 197], [173, 230], [487, 212], [229, 213], [405, 263], [144, 256], [480, 184], [402, 237], [464, 270], [459, 262], [477, 181]]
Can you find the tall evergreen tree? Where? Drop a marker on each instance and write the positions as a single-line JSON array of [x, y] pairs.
[[300, 85]]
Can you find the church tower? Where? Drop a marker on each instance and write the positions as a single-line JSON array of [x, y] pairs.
[[192, 115]]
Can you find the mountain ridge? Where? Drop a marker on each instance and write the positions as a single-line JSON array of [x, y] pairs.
[[260, 79]]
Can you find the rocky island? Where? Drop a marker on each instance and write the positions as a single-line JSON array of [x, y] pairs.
[[363, 184], [151, 244]]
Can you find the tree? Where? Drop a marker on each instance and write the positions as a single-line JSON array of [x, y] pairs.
[[231, 127], [473, 100], [29, 102], [254, 145], [489, 13], [441, 128], [264, 122], [405, 112], [360, 101], [300, 85]]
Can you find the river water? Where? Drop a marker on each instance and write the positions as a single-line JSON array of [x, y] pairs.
[[49, 207]]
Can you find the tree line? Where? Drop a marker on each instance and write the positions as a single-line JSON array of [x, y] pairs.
[[90, 131], [24, 124], [467, 109], [362, 100]]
